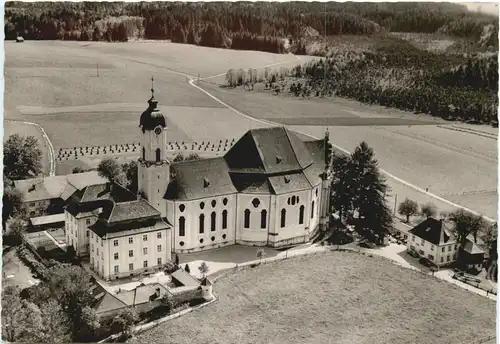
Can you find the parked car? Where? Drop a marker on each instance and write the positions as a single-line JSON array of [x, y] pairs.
[[413, 253], [367, 244], [426, 262]]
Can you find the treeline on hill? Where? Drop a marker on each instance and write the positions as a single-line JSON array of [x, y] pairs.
[[259, 25], [396, 74], [401, 76]]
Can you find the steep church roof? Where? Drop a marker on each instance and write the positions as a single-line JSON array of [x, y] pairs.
[[269, 151], [265, 161], [199, 179]]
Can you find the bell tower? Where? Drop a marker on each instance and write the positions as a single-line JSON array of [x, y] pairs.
[[153, 167]]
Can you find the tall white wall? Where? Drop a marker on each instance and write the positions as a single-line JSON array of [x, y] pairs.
[[193, 240], [254, 235], [102, 253]]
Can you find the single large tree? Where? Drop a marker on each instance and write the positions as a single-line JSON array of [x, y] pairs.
[[17, 229], [125, 320], [192, 156], [203, 268], [90, 323], [12, 204], [130, 171], [489, 234], [374, 216], [110, 169], [408, 208], [428, 210], [71, 284], [21, 157], [56, 327], [343, 186], [465, 224]]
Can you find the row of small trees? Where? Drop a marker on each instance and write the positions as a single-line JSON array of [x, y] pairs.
[[248, 78]]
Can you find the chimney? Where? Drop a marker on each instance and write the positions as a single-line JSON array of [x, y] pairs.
[[157, 292], [138, 195]]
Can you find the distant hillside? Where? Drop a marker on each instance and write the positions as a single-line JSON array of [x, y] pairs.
[[237, 25], [393, 72]]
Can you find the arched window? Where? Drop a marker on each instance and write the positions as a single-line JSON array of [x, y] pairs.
[[312, 210], [247, 219], [212, 221], [263, 219], [202, 224], [301, 215], [182, 226], [283, 218], [224, 219], [157, 154], [143, 153]]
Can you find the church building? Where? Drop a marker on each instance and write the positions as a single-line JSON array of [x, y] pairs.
[[270, 189]]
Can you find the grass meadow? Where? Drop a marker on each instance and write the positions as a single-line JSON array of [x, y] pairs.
[[337, 297], [56, 85], [419, 149]]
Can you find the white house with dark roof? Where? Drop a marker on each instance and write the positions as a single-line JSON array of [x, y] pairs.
[[433, 240], [270, 189], [121, 233]]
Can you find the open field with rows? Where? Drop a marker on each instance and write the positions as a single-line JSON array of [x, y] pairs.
[[421, 150], [337, 297], [56, 85]]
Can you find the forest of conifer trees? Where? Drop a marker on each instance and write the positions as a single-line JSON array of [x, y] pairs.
[[241, 25]]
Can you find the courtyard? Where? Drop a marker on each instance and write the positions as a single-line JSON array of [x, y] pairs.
[[336, 297]]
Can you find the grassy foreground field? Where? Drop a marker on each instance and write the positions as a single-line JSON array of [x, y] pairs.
[[332, 298]]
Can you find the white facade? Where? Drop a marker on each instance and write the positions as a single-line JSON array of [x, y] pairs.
[[153, 172], [246, 219], [227, 217], [439, 255], [126, 254], [77, 232], [186, 217]]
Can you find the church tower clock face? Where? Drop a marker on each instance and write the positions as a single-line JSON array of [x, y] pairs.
[[158, 130]]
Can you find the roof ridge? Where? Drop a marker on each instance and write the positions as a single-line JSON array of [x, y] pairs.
[[291, 145], [259, 151], [111, 212]]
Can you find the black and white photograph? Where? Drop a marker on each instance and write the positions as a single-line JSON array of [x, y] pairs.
[[243, 172]]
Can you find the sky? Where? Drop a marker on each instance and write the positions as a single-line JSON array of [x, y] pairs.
[[485, 7]]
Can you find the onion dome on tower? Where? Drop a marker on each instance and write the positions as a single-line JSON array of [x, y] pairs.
[[152, 117]]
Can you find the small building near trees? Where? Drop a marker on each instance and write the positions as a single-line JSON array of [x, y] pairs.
[[433, 240], [471, 255]]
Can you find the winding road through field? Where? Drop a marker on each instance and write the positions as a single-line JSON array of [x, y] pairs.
[[423, 155], [192, 82]]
